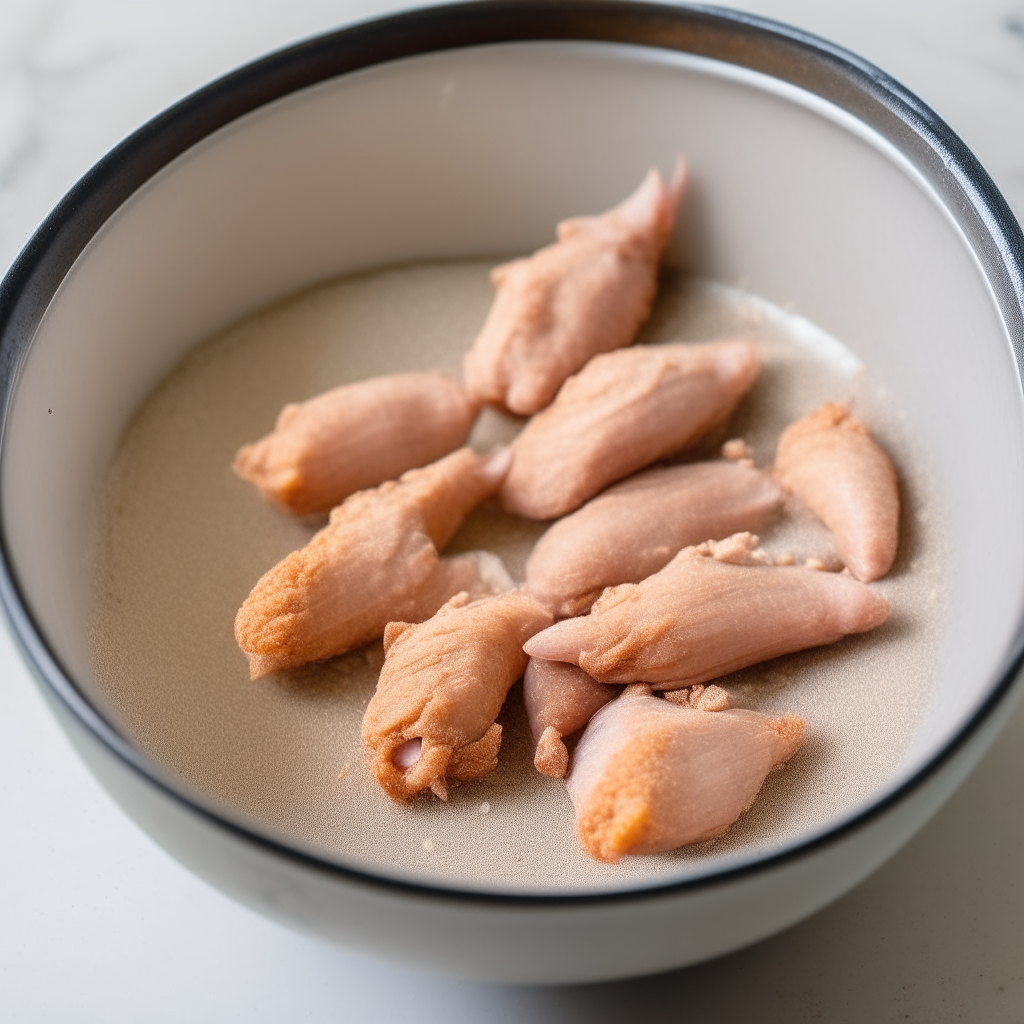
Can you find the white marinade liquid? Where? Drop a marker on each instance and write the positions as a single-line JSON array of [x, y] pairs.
[[182, 541]]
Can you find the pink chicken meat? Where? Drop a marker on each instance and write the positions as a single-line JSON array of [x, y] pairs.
[[713, 609], [432, 718], [621, 412], [587, 293], [634, 529], [376, 560], [649, 776], [831, 462], [560, 700], [356, 436]]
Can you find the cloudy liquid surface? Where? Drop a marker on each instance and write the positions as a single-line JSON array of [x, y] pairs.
[[181, 542]]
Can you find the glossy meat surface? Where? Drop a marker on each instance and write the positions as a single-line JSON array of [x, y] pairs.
[[589, 292], [432, 718], [832, 463], [713, 609], [634, 528], [560, 700], [376, 561], [621, 412], [356, 436], [649, 776]]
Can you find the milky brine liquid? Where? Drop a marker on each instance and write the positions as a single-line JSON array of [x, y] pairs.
[[181, 541]]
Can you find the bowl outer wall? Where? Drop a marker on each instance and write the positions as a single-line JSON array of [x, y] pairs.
[[36, 275], [524, 940]]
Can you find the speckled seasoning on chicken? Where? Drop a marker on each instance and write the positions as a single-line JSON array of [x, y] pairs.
[[621, 412], [649, 776], [713, 609], [700, 697], [634, 528], [560, 699], [431, 720], [356, 436], [589, 292], [376, 561], [830, 461]]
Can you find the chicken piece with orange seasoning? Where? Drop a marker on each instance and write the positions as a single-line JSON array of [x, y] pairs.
[[376, 561], [621, 412], [831, 462], [715, 608], [589, 292], [356, 436], [431, 720], [649, 776], [634, 528]]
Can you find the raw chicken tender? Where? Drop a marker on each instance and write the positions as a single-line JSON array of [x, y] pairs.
[[356, 436], [432, 719], [713, 609], [560, 699], [621, 412], [633, 529], [587, 293], [648, 776], [376, 561], [830, 461]]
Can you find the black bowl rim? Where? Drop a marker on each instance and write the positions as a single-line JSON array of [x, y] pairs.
[[759, 44]]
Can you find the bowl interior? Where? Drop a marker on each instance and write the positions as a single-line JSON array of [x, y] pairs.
[[477, 152]]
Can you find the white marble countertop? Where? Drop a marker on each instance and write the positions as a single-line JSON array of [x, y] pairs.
[[98, 924]]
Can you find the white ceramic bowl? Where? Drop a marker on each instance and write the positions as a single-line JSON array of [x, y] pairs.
[[464, 131]]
